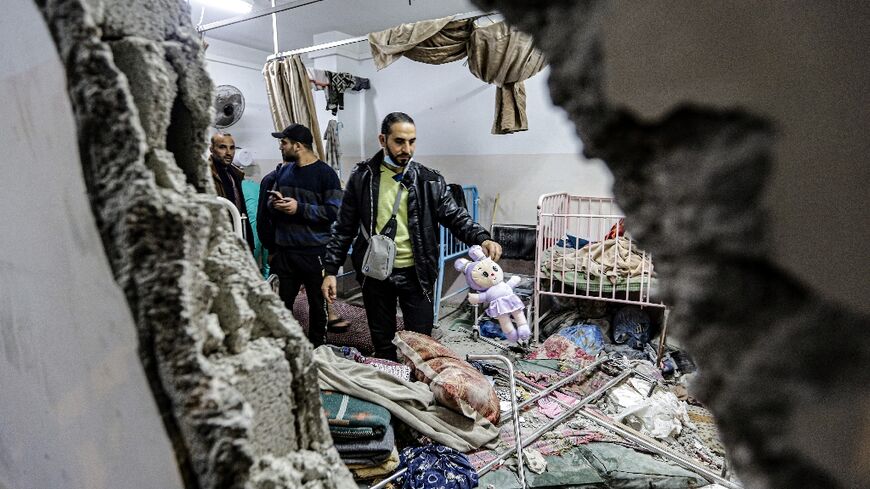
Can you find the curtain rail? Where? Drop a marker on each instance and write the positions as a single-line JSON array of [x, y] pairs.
[[255, 15], [354, 40]]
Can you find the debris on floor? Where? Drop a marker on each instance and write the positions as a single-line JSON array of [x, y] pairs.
[[615, 419]]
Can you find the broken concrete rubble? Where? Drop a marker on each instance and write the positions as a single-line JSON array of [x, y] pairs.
[[692, 180], [227, 363]]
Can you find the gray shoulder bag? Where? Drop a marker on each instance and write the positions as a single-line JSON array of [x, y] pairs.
[[379, 257]]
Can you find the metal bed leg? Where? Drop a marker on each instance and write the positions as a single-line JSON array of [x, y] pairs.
[[521, 472], [536, 303], [236, 217], [439, 283], [663, 338], [383, 483]]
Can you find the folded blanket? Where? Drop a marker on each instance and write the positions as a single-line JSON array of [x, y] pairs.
[[368, 453], [352, 418], [389, 466], [411, 402]]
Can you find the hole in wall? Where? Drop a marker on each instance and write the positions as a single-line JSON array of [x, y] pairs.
[[180, 138]]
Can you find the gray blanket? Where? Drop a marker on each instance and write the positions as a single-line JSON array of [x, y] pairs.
[[370, 453], [411, 402]]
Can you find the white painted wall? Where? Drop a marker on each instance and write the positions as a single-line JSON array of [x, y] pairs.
[[240, 66], [453, 111], [76, 408]]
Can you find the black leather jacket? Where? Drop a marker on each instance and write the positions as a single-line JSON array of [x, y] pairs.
[[430, 203]]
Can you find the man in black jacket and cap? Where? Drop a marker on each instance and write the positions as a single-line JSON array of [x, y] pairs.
[[298, 204], [425, 203]]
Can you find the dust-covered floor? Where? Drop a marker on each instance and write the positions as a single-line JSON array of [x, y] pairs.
[[577, 452]]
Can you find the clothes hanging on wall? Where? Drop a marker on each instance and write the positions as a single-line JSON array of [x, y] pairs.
[[339, 82], [333, 147], [320, 81], [360, 83]]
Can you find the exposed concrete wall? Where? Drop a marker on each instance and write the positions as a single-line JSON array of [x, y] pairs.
[[797, 65], [229, 367], [694, 108], [77, 411]]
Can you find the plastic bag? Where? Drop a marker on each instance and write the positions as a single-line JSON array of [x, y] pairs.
[[491, 329], [632, 327], [661, 415], [587, 337]]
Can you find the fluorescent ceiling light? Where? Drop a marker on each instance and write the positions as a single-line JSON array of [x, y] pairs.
[[235, 6]]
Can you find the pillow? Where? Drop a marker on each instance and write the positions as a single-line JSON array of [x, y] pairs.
[[453, 382], [465, 390], [417, 348]]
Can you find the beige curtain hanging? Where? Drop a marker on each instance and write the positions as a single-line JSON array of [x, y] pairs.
[[288, 89], [433, 42], [496, 54], [505, 57]]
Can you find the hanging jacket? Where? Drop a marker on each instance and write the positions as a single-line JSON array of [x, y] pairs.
[[430, 203]]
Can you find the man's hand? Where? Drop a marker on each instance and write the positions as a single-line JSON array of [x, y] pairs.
[[491, 249], [287, 205], [329, 288]]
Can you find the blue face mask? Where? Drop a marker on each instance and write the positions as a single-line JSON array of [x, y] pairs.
[[388, 160]]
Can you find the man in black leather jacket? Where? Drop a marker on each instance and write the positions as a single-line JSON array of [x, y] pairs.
[[426, 202]]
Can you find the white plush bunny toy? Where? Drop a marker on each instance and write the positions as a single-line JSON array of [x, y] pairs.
[[487, 278]]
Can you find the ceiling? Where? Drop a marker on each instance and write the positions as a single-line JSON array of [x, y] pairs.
[[297, 27]]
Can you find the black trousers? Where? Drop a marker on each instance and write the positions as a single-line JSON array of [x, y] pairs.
[[380, 296], [294, 271]]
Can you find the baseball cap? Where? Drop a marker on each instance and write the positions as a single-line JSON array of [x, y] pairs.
[[296, 132]]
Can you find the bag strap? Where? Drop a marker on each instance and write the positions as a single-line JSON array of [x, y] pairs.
[[396, 205], [398, 202]]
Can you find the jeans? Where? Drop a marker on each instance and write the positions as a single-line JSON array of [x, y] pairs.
[[294, 271], [380, 296]]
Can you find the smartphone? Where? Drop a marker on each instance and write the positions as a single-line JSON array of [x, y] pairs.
[[275, 194]]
